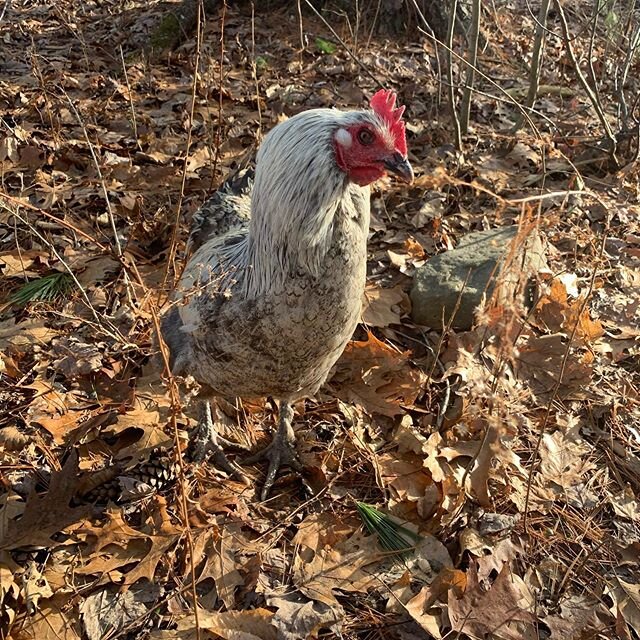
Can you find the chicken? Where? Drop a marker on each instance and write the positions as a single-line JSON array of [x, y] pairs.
[[272, 293]]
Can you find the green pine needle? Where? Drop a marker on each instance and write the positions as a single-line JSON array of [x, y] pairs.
[[391, 535], [46, 289]]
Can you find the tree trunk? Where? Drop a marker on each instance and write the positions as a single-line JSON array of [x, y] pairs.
[[390, 16], [178, 23]]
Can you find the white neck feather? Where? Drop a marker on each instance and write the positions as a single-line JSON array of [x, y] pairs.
[[297, 191]]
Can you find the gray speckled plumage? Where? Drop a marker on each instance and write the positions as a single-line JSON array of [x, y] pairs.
[[227, 209], [266, 305]]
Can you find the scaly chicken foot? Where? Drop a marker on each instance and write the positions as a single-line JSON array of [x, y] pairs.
[[281, 451], [206, 438]]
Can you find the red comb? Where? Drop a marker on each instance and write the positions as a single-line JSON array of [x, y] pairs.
[[383, 104]]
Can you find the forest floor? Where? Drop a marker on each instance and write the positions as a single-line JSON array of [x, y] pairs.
[[512, 449]]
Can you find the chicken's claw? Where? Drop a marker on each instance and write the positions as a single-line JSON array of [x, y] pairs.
[[206, 438], [281, 451]]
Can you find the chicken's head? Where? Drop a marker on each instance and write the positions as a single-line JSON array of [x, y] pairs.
[[375, 143]]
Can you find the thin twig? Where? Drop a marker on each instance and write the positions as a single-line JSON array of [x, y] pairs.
[[300, 27], [474, 35], [427, 31], [589, 90], [105, 192], [451, 88], [112, 331], [7, 3], [536, 61], [173, 246], [254, 70], [134, 122], [350, 53], [556, 388], [63, 223], [176, 409], [216, 157], [103, 184]]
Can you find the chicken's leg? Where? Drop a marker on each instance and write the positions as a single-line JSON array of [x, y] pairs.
[[206, 438], [281, 451]]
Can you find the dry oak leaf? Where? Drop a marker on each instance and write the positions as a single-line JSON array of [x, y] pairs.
[[625, 504], [9, 571], [484, 453], [230, 625], [562, 461], [382, 307], [377, 377], [48, 514], [74, 358], [117, 544], [297, 617], [17, 264], [426, 606], [17, 337], [145, 417], [61, 427], [12, 439], [54, 621], [540, 361], [489, 555], [492, 613], [326, 559], [578, 317], [581, 616], [216, 545], [555, 311], [626, 597], [405, 475], [89, 268], [109, 611]]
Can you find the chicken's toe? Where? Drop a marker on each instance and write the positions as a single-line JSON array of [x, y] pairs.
[[205, 439], [279, 453]]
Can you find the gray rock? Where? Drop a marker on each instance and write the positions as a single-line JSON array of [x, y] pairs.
[[480, 256]]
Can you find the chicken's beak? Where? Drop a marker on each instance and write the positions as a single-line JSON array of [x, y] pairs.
[[400, 167]]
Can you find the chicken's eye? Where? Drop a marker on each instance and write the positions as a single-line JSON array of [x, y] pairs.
[[365, 137]]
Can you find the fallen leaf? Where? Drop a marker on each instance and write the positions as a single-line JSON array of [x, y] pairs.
[[298, 618], [17, 264], [423, 607], [54, 621], [562, 461], [331, 556], [24, 334], [163, 537], [626, 597], [377, 377], [110, 610], [490, 556], [540, 363], [555, 312], [405, 476], [625, 504], [75, 358], [481, 612], [231, 625], [581, 616], [48, 514], [380, 307], [218, 547], [117, 544]]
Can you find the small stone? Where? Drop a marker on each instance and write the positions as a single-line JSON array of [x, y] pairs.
[[438, 283]]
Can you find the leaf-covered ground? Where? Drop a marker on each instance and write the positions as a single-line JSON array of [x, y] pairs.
[[513, 449]]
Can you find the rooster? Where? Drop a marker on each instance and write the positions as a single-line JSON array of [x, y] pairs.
[[272, 292]]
